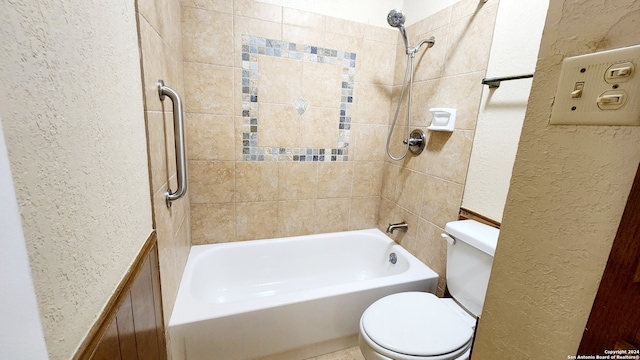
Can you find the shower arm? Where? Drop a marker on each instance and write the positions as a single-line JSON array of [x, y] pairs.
[[430, 42]]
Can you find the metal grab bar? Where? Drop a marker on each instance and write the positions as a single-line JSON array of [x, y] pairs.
[[495, 82], [178, 131]]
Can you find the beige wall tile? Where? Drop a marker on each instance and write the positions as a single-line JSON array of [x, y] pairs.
[[470, 7], [157, 149], [211, 181], [426, 94], [303, 19], [469, 43], [256, 220], [210, 137], [389, 180], [400, 67], [213, 223], [369, 142], [463, 93], [172, 250], [344, 42], [381, 34], [153, 64], [175, 74], [253, 27], [278, 126], [367, 178], [322, 84], [371, 103], [441, 200], [163, 223], [149, 11], [210, 89], [429, 62], [431, 247], [225, 6], [256, 181], [364, 213], [449, 154], [335, 179], [409, 189], [377, 62], [344, 195], [207, 36], [345, 27], [169, 14], [296, 217], [319, 128], [258, 10], [279, 80], [440, 19], [238, 121], [297, 180], [179, 211], [401, 119], [303, 35], [332, 215]]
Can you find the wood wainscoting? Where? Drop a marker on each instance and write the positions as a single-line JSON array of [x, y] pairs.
[[465, 214], [131, 325]]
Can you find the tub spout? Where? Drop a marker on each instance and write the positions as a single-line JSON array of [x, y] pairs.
[[401, 226]]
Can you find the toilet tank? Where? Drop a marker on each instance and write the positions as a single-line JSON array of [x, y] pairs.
[[469, 261]]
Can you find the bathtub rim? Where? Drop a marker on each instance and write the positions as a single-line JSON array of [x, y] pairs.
[[188, 309]]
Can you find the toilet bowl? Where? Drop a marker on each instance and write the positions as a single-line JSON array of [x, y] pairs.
[[415, 325], [421, 326]]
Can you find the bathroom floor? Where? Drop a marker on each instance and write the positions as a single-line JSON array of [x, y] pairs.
[[347, 354]]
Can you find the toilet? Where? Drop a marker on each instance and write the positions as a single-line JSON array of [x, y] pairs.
[[421, 326]]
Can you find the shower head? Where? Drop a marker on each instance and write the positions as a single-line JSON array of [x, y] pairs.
[[396, 19]]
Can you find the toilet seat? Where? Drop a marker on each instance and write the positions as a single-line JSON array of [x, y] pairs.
[[415, 325]]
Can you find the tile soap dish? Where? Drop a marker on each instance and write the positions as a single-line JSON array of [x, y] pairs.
[[444, 119]]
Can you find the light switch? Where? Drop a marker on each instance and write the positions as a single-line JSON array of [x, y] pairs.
[[577, 90], [599, 89], [619, 72], [612, 99]]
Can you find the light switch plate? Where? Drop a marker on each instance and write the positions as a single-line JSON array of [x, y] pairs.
[[610, 89]]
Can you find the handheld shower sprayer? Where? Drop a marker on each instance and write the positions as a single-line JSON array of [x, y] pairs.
[[396, 19]]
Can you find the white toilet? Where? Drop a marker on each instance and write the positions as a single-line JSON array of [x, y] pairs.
[[421, 326]]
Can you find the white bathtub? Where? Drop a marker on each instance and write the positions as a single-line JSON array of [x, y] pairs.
[[288, 298]]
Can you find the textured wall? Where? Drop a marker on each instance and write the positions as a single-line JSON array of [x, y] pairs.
[[237, 199], [73, 121], [513, 52], [426, 190], [161, 51], [568, 191]]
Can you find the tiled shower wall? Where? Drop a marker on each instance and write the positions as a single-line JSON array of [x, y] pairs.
[[161, 54], [287, 113], [426, 190]]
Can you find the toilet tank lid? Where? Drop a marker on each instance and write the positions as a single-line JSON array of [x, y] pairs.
[[481, 236]]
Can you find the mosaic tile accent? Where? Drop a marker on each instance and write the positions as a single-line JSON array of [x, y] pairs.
[[252, 47], [301, 105]]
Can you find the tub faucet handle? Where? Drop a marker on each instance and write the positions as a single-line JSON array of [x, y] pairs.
[[401, 226]]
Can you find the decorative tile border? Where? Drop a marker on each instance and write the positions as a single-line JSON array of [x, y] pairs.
[[252, 47]]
